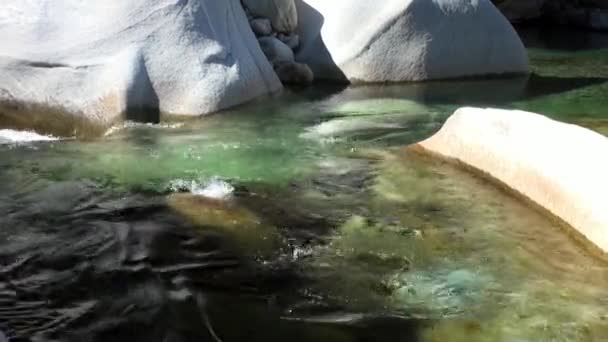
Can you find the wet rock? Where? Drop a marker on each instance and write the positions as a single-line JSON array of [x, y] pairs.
[[294, 73], [275, 50], [239, 223], [282, 13], [261, 26]]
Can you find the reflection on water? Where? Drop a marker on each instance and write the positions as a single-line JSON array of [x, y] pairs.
[[298, 217]]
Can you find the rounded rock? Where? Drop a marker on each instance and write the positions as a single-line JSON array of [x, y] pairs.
[[292, 40], [275, 50], [294, 73], [261, 27], [282, 13]]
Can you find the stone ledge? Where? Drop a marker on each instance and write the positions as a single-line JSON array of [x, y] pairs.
[[561, 168]]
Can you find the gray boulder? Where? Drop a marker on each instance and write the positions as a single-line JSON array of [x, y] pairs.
[[294, 73], [275, 50], [282, 13], [261, 26], [292, 40]]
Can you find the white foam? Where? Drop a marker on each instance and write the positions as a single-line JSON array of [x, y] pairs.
[[214, 188], [10, 136], [132, 124]]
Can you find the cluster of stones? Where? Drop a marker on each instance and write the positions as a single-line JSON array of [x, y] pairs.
[[274, 23]]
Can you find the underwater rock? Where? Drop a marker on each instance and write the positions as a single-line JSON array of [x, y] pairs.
[[226, 217], [59, 198], [560, 167], [344, 126]]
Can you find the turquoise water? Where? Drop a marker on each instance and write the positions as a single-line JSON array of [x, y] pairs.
[[327, 228]]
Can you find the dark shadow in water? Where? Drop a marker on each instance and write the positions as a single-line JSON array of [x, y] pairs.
[[554, 37], [84, 265], [318, 92], [486, 91], [539, 86]]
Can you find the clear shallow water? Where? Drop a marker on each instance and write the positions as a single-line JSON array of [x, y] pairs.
[[323, 227]]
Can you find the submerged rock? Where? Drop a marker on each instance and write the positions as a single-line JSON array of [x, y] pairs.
[[560, 167], [406, 40], [344, 126], [95, 61], [226, 217]]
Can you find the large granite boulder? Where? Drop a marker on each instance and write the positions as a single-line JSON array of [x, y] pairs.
[[68, 64], [403, 40], [558, 166]]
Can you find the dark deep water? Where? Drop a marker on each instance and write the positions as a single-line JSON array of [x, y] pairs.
[[326, 230]]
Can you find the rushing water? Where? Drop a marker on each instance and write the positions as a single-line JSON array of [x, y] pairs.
[[300, 217]]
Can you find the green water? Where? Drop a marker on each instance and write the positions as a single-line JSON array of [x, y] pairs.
[[386, 232]]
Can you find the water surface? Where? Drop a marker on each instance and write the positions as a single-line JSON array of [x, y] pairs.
[[317, 226]]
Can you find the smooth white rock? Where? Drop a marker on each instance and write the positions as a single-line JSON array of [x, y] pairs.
[[261, 26], [282, 13], [561, 167], [275, 50], [94, 59], [402, 40]]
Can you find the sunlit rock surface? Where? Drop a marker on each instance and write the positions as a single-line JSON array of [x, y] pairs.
[[93, 60], [560, 167], [395, 40]]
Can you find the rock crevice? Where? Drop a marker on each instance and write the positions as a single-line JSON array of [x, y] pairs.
[[274, 23]]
